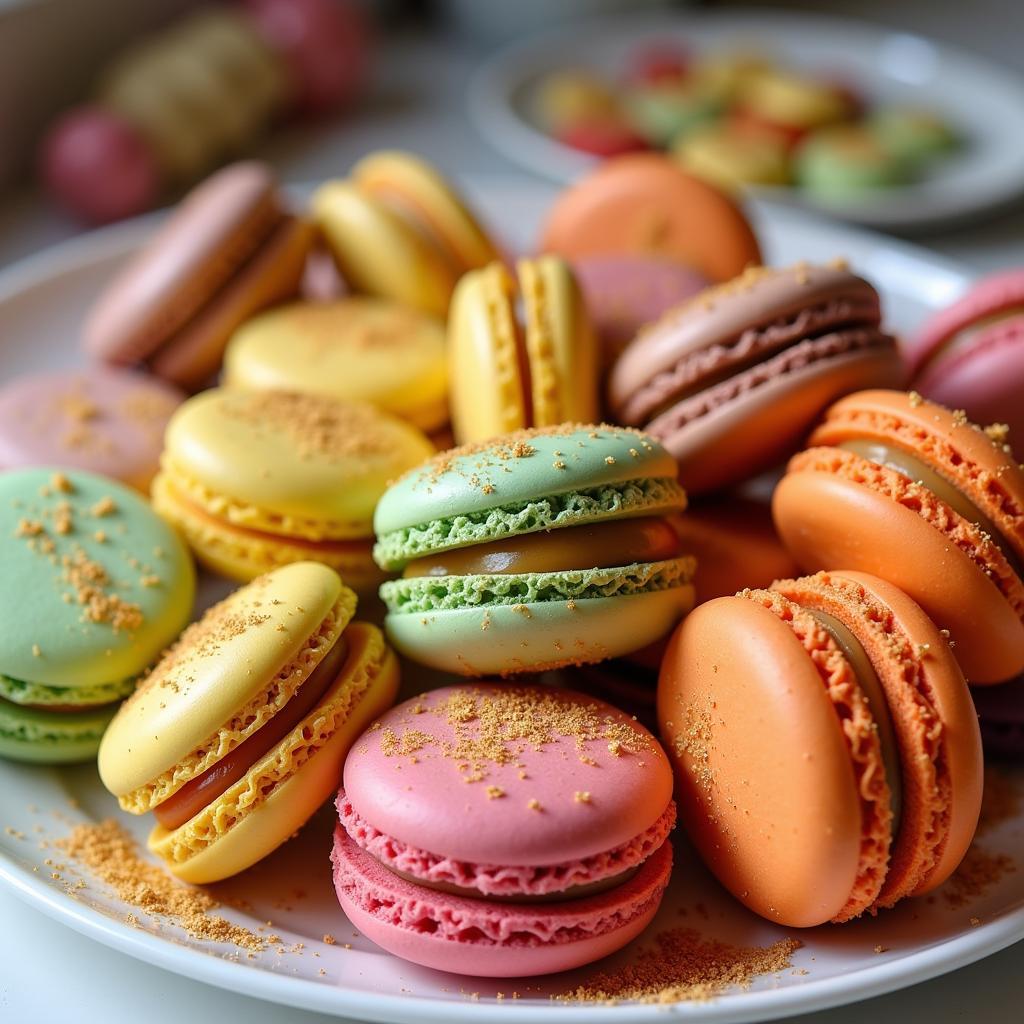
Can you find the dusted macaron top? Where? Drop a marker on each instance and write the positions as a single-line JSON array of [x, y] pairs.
[[543, 478], [219, 667], [287, 462], [498, 774], [95, 583]]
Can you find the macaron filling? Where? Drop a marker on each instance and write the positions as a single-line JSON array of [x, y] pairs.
[[920, 472], [591, 546], [874, 694], [62, 698], [201, 791], [966, 337]]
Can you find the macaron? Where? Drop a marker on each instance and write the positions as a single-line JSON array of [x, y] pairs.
[[646, 204], [916, 135], [731, 380], [540, 549], [626, 292], [1001, 718], [227, 251], [731, 158], [104, 419], [792, 100], [356, 348], [255, 480], [666, 111], [501, 831], [827, 754], [95, 586], [969, 355], [397, 228], [905, 489], [238, 734], [573, 96], [508, 375], [844, 162]]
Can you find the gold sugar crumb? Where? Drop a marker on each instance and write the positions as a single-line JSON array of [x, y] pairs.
[[881, 949], [581, 796], [150, 580], [915, 399], [100, 536], [558, 464], [329, 940], [960, 418], [610, 460], [615, 748], [495, 792], [110, 853], [682, 966], [29, 528], [534, 804], [974, 921], [997, 433], [59, 482]]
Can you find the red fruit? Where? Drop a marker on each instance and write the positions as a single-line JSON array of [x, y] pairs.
[[324, 44], [98, 166], [659, 63], [601, 138]]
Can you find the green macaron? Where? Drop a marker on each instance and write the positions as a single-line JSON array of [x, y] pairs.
[[96, 585], [845, 162], [544, 548]]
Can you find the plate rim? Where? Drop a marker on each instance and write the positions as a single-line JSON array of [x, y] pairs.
[[497, 122]]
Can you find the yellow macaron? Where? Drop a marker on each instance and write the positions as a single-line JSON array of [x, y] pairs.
[[505, 376], [239, 733], [398, 228], [255, 480], [356, 348]]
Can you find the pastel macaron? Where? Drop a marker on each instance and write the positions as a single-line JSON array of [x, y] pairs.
[[844, 162], [397, 228], [907, 490], [238, 734], [625, 292], [647, 204], [827, 753], [95, 586], [731, 381], [501, 831], [356, 348], [257, 479], [507, 375], [540, 549], [968, 355], [228, 250], [104, 419]]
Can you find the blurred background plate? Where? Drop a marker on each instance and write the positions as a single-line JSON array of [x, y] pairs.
[[983, 102]]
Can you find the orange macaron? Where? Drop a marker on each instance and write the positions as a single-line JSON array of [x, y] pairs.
[[827, 751], [913, 492]]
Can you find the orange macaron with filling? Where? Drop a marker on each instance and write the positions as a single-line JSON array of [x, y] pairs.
[[827, 751], [913, 492]]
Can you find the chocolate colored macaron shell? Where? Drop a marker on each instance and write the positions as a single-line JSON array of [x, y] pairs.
[[915, 493], [503, 831], [828, 719], [731, 380]]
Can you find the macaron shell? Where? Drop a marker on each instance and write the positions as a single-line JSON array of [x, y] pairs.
[[768, 416], [190, 698], [413, 181], [378, 253], [193, 355], [104, 420], [646, 204], [356, 349], [764, 779], [34, 736], [132, 544], [293, 801], [208, 237], [560, 344], [607, 921], [531, 637], [242, 554], [827, 520], [488, 393], [431, 804]]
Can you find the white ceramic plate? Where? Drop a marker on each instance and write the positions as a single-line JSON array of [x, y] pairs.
[[41, 302], [984, 102]]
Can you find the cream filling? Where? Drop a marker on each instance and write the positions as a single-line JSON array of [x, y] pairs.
[[871, 686], [965, 337]]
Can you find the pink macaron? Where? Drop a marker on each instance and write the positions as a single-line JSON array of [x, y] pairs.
[[503, 831], [625, 292], [106, 420], [970, 355]]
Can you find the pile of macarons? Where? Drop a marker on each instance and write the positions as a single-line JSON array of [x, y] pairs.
[[635, 484], [742, 117]]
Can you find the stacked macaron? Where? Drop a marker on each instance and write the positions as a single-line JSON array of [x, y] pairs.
[[503, 831]]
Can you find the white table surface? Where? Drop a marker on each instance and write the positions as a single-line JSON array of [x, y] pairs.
[[51, 975]]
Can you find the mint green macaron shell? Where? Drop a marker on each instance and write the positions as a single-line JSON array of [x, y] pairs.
[[17, 691], [51, 737], [95, 584], [509, 638]]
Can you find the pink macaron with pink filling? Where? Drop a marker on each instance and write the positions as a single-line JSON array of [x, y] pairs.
[[503, 831], [970, 355]]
